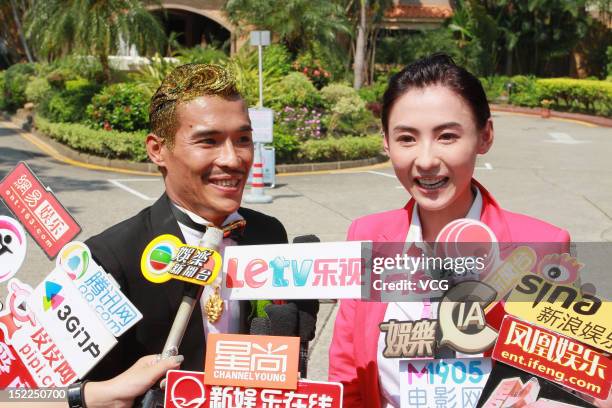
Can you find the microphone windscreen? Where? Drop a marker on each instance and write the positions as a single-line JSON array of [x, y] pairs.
[[308, 310], [283, 319], [304, 239], [261, 326]]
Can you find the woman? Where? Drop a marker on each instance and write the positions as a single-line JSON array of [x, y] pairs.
[[436, 121]]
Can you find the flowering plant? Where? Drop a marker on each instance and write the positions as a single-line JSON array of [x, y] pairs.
[[301, 122], [314, 70]]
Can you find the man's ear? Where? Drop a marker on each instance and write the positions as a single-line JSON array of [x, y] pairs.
[[486, 137], [155, 147]]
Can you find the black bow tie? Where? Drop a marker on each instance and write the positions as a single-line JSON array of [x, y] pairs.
[[232, 230]]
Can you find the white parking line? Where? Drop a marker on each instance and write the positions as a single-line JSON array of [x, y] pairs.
[[380, 173], [564, 138], [117, 183]]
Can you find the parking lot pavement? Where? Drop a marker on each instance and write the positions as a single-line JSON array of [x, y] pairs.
[[558, 171]]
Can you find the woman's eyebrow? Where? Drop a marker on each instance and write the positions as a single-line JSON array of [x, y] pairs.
[[404, 128], [447, 125]]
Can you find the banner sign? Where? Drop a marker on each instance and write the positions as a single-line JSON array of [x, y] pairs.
[[67, 320], [327, 270], [13, 246], [98, 288], [444, 383], [37, 208], [187, 389], [553, 357], [252, 361], [564, 309], [29, 357], [166, 257]]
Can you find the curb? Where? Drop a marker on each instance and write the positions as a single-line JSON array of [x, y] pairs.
[[593, 120]]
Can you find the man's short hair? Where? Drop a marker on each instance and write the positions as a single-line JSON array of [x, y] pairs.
[[182, 85]]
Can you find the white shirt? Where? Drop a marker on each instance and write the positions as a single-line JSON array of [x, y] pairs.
[[388, 368], [229, 322]]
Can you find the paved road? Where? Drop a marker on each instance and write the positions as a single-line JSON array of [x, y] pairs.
[[559, 171]]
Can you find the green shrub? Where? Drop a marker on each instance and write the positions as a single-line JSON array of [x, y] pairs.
[[578, 95], [16, 78], [346, 111], [524, 91], [496, 88], [110, 144], [609, 67], [294, 89], [276, 65], [68, 104], [332, 93], [123, 107], [2, 103], [201, 55], [343, 148], [286, 147], [374, 93], [37, 90], [313, 68]]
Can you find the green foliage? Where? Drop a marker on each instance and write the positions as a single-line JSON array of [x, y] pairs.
[[37, 89], [609, 67], [374, 93], [346, 111], [524, 91], [313, 68], [110, 144], [16, 78], [68, 104], [201, 55], [343, 148], [123, 107], [276, 64], [579, 95], [300, 24], [2, 102], [294, 89], [92, 27], [286, 146], [151, 75], [496, 88]]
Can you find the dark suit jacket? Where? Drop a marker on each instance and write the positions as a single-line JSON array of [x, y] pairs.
[[119, 249]]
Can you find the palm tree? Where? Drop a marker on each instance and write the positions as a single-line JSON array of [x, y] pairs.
[[59, 27]]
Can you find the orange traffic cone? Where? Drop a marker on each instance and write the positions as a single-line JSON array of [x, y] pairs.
[[257, 194]]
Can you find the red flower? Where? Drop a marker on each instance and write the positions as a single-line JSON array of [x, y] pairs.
[[107, 126]]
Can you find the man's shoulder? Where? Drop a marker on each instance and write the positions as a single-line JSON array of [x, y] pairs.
[[262, 228], [124, 230]]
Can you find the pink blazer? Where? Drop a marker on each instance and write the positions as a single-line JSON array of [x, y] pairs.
[[353, 351]]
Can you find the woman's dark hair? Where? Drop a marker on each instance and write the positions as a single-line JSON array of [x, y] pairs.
[[437, 69]]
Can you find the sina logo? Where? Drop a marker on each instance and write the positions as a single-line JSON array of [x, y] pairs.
[[52, 299]]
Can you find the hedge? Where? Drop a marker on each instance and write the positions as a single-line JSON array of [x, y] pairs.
[[110, 144], [581, 95], [342, 148]]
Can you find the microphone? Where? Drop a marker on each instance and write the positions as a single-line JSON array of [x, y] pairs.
[[307, 316], [260, 326], [212, 239]]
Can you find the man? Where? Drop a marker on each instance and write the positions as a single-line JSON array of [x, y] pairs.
[[201, 140]]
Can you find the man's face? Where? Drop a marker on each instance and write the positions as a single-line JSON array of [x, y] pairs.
[[208, 166]]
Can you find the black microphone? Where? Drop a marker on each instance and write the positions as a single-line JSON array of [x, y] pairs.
[[261, 326], [308, 310], [283, 319]]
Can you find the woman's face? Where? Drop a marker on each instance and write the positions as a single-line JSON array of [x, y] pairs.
[[432, 140]]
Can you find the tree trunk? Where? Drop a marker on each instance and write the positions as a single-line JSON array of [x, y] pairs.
[[106, 71], [360, 56], [508, 62], [20, 31]]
